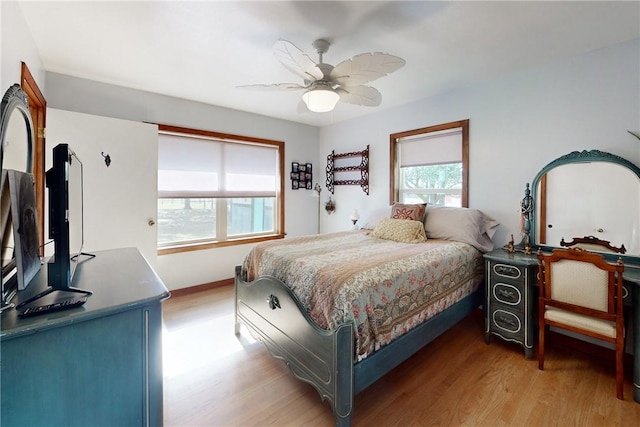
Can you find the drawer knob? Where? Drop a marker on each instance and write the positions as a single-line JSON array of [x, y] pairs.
[[506, 321], [506, 271], [506, 294]]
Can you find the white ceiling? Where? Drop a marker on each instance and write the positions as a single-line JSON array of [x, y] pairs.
[[203, 50]]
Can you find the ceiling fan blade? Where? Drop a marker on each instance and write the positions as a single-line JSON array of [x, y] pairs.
[[296, 60], [360, 95], [365, 68], [272, 87]]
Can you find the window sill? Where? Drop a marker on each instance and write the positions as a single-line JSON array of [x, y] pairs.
[[211, 245]]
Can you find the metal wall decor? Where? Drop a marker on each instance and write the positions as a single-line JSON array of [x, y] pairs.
[[107, 159], [363, 168], [330, 206]]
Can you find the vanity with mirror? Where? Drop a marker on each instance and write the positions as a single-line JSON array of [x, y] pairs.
[[588, 193], [584, 195]]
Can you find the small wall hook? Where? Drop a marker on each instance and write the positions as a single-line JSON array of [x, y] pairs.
[[107, 159]]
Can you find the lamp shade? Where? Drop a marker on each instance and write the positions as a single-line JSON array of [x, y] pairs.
[[317, 190], [320, 99]]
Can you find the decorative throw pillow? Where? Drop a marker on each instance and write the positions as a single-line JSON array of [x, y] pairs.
[[400, 230], [413, 212]]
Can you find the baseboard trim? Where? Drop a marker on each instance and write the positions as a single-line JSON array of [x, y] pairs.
[[199, 288]]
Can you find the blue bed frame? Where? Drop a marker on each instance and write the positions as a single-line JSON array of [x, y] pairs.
[[323, 358]]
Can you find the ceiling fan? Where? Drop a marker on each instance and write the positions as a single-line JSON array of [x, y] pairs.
[[324, 84]]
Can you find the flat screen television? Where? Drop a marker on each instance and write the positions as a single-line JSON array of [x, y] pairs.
[[65, 184], [66, 228]]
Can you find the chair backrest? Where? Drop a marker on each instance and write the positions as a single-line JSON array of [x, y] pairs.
[[579, 283], [592, 243], [578, 280]]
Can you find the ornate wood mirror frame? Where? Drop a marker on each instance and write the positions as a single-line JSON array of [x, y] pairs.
[[16, 131], [590, 194], [16, 152]]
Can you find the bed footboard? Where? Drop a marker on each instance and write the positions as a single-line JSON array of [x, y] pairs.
[[324, 358], [319, 357]]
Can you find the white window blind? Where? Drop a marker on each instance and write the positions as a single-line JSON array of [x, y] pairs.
[[202, 167], [434, 148]]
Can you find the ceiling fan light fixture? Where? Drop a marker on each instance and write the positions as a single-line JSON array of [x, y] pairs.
[[320, 99]]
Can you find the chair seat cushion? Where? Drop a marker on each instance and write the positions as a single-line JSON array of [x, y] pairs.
[[598, 326]]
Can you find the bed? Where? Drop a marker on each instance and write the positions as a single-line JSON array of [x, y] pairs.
[[342, 309]]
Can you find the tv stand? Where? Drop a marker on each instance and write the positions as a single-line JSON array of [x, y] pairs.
[[85, 254], [5, 306], [99, 364], [51, 289], [58, 287]]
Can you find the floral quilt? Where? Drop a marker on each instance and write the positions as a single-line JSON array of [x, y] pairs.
[[386, 288]]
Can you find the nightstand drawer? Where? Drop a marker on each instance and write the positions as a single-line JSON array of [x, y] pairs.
[[506, 323], [508, 294], [506, 271]]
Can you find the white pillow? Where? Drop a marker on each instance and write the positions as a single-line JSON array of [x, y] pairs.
[[461, 225], [375, 216]]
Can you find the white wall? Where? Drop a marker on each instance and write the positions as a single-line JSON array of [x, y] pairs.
[[518, 124], [16, 46]]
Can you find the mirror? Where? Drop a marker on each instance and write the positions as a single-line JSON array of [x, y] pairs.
[[587, 193], [16, 131], [16, 152]]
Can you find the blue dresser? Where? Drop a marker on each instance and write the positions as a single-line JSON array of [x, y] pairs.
[[99, 364]]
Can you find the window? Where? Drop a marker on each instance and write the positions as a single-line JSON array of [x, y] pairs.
[[217, 189], [431, 165]]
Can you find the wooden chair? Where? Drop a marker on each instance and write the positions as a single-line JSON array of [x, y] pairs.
[[582, 293]]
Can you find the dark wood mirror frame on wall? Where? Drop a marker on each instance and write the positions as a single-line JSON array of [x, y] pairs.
[[587, 193], [16, 152]]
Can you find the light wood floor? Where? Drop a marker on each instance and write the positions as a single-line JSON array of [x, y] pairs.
[[212, 378]]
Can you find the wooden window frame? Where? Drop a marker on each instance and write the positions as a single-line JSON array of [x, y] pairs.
[[394, 170], [280, 193]]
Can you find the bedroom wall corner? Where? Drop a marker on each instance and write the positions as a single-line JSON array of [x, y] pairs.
[[16, 46]]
